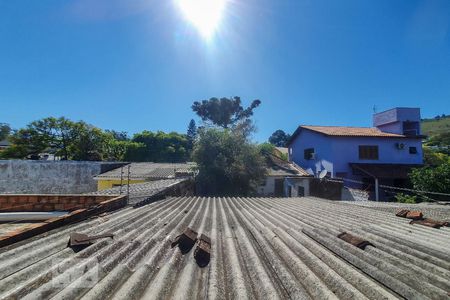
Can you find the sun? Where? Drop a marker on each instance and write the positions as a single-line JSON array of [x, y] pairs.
[[205, 15]]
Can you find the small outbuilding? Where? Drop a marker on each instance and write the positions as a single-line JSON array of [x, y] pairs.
[[284, 179]]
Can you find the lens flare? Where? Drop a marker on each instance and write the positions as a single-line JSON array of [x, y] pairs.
[[205, 15]]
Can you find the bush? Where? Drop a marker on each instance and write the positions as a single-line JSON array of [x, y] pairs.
[[403, 198]]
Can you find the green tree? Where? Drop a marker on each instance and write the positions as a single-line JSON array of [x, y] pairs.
[[88, 143], [25, 142], [69, 140], [432, 158], [57, 134], [279, 138], [432, 179], [159, 147], [224, 112], [228, 164], [266, 148], [118, 149], [191, 134], [5, 131], [118, 135]]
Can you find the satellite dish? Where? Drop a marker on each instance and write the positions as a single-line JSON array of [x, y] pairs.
[[323, 173]]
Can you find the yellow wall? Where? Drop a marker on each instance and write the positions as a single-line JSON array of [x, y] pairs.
[[107, 184]]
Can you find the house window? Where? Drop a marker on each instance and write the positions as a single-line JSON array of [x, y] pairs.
[[309, 153], [368, 152], [413, 150]]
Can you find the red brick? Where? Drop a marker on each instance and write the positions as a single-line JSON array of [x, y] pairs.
[[33, 199], [59, 206], [27, 207], [22, 199], [38, 207], [414, 214], [48, 207], [55, 199]]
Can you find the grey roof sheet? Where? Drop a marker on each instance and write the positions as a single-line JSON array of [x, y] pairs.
[[139, 191], [261, 248], [430, 209], [148, 170]]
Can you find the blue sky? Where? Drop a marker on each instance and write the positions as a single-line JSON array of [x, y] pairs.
[[135, 65]]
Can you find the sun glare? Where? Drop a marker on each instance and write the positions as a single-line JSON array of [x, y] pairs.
[[205, 15]]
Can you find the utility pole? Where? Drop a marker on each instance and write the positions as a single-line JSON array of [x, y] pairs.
[[128, 185], [377, 196], [121, 179]]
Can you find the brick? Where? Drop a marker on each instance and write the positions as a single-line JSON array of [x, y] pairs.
[[414, 215], [27, 207], [53, 200], [14, 200], [38, 207], [22, 199], [48, 207], [402, 213], [33, 199], [59, 206]]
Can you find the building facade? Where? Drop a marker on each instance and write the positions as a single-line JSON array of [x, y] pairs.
[[385, 152]]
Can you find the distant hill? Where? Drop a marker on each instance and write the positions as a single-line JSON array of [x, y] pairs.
[[436, 125]]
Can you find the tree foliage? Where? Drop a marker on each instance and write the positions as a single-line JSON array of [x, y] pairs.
[[279, 138], [191, 134], [118, 135], [5, 130], [433, 158], [66, 139], [228, 164], [405, 198], [224, 112], [432, 179], [159, 147], [266, 148]]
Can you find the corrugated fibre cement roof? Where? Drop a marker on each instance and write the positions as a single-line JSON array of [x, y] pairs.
[[260, 248]]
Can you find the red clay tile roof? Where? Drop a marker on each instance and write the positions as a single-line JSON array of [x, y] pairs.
[[351, 131]]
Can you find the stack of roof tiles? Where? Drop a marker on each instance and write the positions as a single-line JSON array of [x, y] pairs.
[[260, 248]]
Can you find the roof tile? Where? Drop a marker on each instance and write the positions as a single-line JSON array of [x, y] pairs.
[[351, 131]]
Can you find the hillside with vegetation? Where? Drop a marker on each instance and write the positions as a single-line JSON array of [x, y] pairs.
[[436, 125], [434, 176]]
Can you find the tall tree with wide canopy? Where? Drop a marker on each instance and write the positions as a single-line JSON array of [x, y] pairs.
[[228, 163], [279, 138], [224, 112]]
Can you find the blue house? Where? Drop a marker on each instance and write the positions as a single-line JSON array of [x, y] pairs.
[[383, 154]]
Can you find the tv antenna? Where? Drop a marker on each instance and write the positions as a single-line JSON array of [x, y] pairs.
[[374, 109]]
